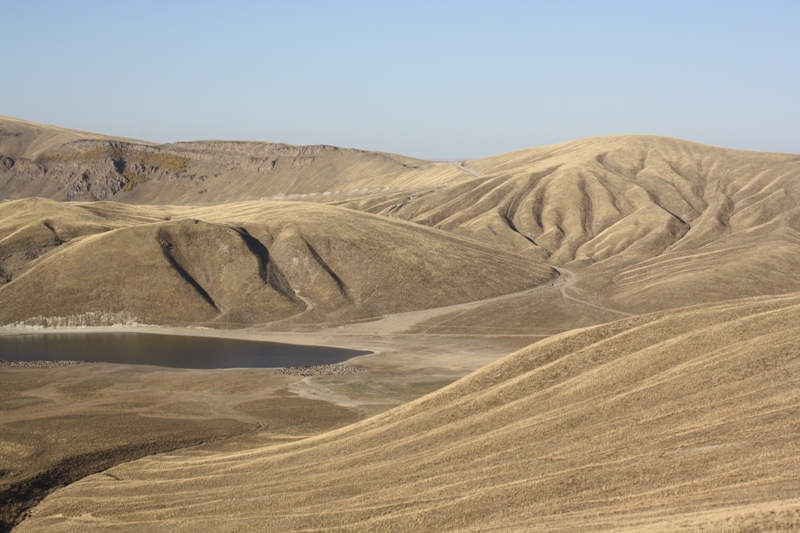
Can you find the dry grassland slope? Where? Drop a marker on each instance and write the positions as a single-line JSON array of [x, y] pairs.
[[238, 264], [663, 421], [644, 219], [686, 420]]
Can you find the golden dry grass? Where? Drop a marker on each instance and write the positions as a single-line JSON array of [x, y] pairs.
[[674, 420], [30, 140], [646, 221]]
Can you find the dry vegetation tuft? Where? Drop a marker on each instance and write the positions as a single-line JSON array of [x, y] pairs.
[[172, 162]]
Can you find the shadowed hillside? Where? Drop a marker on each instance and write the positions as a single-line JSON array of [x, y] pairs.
[[654, 423], [241, 264]]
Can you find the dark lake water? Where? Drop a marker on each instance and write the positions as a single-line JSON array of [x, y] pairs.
[[166, 350]]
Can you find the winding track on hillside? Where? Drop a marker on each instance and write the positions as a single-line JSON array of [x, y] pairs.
[[465, 169], [568, 282], [401, 322]]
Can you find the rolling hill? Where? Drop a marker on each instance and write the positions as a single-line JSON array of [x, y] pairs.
[[238, 264], [645, 221]]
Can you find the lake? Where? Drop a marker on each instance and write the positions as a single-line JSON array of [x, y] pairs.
[[175, 351]]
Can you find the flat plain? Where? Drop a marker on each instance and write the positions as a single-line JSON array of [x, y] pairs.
[[596, 335]]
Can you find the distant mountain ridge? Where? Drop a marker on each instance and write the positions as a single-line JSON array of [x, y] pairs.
[[49, 162]]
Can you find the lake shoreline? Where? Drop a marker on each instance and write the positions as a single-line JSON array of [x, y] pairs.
[[167, 349], [296, 338]]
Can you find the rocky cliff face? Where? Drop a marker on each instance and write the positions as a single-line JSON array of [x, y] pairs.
[[90, 170]]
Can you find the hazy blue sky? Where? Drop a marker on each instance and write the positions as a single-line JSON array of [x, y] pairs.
[[436, 79]]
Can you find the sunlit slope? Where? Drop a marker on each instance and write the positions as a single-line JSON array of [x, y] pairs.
[[46, 161], [653, 216], [659, 422], [238, 264], [625, 198], [27, 231]]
